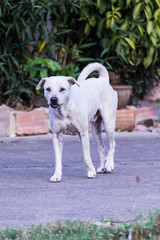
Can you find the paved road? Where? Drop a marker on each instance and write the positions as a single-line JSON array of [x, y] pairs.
[[27, 197]]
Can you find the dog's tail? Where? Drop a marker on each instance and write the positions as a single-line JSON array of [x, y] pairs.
[[91, 68]]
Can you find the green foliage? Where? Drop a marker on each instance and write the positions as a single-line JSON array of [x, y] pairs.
[[140, 78], [14, 80], [21, 23], [39, 67], [144, 227], [121, 34]]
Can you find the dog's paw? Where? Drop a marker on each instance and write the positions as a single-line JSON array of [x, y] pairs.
[[101, 170], [56, 178], [92, 174], [109, 166]]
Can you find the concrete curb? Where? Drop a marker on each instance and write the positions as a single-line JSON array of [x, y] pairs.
[[20, 123]]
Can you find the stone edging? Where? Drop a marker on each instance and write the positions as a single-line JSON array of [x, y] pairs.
[[18, 123]]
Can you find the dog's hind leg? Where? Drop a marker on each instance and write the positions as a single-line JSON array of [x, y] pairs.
[[109, 165], [97, 134], [86, 152], [109, 125]]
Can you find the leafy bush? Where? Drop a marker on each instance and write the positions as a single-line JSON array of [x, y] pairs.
[[21, 24], [123, 35], [144, 227], [40, 67]]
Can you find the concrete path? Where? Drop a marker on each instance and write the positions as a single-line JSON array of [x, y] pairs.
[[27, 197]]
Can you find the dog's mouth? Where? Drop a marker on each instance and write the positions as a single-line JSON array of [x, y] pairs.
[[55, 105]]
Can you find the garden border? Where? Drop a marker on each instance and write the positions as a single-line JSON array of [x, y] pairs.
[[19, 123]]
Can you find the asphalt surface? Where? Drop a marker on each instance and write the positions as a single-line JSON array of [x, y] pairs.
[[27, 197]]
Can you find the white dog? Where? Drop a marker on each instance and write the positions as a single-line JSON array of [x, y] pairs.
[[71, 107]]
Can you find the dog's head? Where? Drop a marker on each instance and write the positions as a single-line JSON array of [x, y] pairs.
[[56, 89]]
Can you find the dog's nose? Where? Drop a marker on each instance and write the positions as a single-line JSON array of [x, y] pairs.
[[54, 100]]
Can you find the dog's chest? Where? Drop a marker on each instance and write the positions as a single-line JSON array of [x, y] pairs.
[[68, 127]]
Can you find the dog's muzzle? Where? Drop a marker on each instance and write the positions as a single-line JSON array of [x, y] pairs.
[[54, 102]]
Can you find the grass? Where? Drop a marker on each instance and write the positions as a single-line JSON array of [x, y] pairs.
[[143, 227]]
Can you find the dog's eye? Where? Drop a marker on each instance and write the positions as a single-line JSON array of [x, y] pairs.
[[62, 89], [48, 89]]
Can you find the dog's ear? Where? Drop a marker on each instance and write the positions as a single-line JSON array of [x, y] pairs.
[[72, 80], [40, 83]]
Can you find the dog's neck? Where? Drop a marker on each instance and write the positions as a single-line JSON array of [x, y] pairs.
[[61, 112]]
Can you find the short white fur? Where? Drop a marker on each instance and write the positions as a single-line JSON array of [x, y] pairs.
[[88, 100]]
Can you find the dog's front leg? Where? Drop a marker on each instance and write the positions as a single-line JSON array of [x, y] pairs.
[[86, 153], [58, 147]]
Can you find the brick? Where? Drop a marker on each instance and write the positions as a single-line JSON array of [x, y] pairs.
[[125, 119], [32, 122], [143, 113]]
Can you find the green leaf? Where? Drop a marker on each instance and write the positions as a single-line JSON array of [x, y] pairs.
[[86, 45], [100, 27], [154, 40], [15, 61], [33, 73], [151, 51], [9, 28], [98, 3], [53, 65], [157, 29], [85, 59], [104, 51], [124, 26], [3, 69], [148, 12], [109, 15], [22, 89], [122, 56], [141, 30], [112, 23], [87, 29], [137, 9], [117, 19], [92, 21], [63, 31], [43, 73], [130, 42], [157, 14], [155, 57], [128, 3], [130, 61], [148, 60], [123, 42], [108, 23], [158, 2], [149, 27], [113, 40]]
